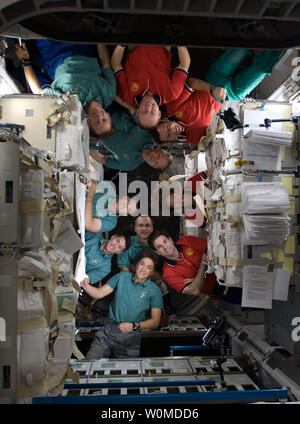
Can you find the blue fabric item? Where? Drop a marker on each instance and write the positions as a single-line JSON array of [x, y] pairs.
[[53, 53]]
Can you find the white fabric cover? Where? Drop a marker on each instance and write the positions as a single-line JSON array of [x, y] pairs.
[[72, 139], [34, 361], [31, 224]]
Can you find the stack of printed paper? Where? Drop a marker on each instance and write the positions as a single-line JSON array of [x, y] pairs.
[[265, 229], [266, 157], [281, 138], [264, 198], [263, 206], [260, 286]]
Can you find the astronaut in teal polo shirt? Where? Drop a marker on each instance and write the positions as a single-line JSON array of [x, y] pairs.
[[135, 296], [130, 146], [103, 207], [230, 72], [102, 210], [99, 253], [143, 226], [95, 85]]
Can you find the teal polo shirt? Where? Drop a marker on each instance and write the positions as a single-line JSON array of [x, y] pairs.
[[84, 76], [98, 263], [132, 301], [105, 194], [127, 142], [131, 255]]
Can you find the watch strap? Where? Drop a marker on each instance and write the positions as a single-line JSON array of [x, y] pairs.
[[136, 326]]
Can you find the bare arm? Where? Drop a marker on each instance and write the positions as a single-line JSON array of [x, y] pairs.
[[151, 323], [91, 224], [116, 58], [184, 58], [103, 55], [128, 106], [219, 93], [23, 54], [197, 284], [96, 292], [198, 84], [124, 270], [98, 156], [156, 276], [131, 269]]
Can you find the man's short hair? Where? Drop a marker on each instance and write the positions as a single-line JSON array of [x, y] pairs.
[[155, 235], [103, 136], [149, 253], [142, 216], [155, 134], [127, 237]]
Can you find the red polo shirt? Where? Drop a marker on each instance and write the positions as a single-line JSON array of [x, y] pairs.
[[148, 68], [194, 110], [176, 272]]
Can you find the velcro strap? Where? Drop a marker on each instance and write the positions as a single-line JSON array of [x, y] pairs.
[[26, 283], [233, 218], [76, 286], [233, 198], [232, 154], [44, 166], [214, 204], [230, 262], [32, 324], [32, 206]]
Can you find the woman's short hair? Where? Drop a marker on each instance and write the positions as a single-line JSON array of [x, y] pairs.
[[149, 253]]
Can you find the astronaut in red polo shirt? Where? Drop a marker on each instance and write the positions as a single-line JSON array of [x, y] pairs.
[[190, 114], [185, 263], [148, 80]]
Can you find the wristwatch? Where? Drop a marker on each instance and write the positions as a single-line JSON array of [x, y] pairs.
[[136, 326], [25, 62]]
